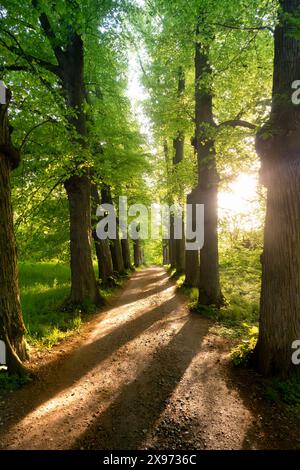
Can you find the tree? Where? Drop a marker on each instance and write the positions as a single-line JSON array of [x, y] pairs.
[[209, 279], [178, 144], [126, 253], [12, 329], [103, 253], [224, 49], [60, 51], [115, 244], [278, 146]]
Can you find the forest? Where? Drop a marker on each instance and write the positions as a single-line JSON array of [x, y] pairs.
[[149, 225]]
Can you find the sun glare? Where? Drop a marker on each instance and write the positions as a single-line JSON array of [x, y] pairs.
[[240, 202]]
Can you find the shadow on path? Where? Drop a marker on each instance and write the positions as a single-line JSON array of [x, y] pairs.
[[61, 374], [127, 421]]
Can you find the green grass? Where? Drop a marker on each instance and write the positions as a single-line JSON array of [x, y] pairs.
[[286, 392], [240, 273], [44, 288], [10, 382]]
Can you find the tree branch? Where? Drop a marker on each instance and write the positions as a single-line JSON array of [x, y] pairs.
[[245, 28], [25, 139], [14, 68], [49, 33], [237, 123], [19, 51]]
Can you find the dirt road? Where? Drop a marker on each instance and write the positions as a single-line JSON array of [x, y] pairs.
[[144, 374]]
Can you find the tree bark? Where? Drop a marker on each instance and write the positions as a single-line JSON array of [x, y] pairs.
[[126, 253], [83, 280], [192, 262], [209, 279], [172, 244], [166, 259], [278, 145], [138, 254], [104, 259], [115, 245], [180, 253], [12, 329]]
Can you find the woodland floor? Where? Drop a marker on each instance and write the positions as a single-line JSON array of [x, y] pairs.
[[143, 374]]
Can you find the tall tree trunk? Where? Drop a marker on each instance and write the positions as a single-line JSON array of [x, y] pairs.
[[209, 280], [104, 259], [192, 262], [12, 328], [115, 245], [78, 187], [178, 144], [278, 145], [83, 280], [126, 253]]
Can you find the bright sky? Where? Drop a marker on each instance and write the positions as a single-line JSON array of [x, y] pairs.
[[137, 94], [241, 201]]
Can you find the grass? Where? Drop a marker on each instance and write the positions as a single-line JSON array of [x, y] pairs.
[[10, 382], [240, 273], [286, 392], [44, 288]]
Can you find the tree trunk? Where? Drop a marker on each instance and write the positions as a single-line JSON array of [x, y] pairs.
[[209, 279], [137, 251], [12, 328], [191, 268], [104, 259], [126, 253], [192, 262], [78, 187], [180, 253], [165, 246], [172, 244], [278, 146], [178, 246], [83, 280], [115, 245], [116, 254]]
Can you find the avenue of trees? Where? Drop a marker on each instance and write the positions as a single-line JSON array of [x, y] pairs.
[[218, 81]]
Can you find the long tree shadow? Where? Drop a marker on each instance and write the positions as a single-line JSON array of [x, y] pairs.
[[132, 297], [60, 375], [127, 421]]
